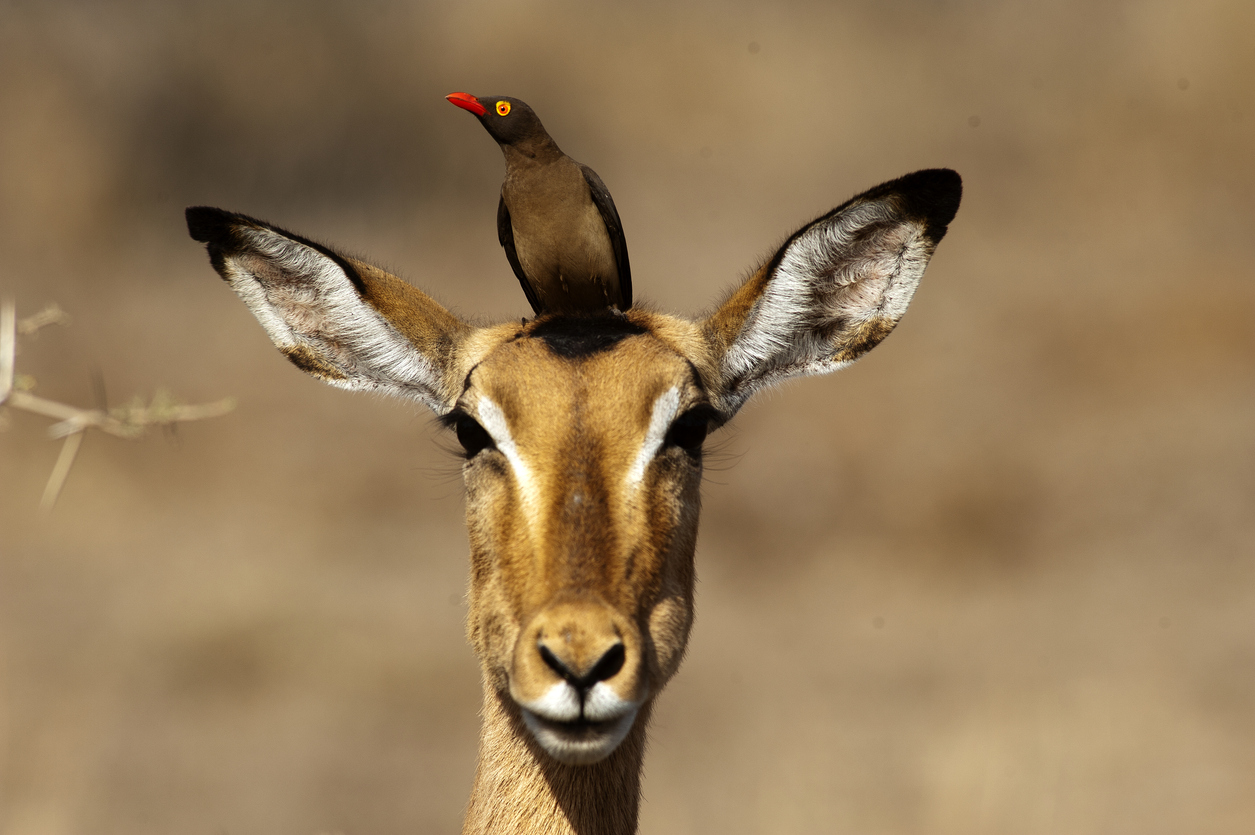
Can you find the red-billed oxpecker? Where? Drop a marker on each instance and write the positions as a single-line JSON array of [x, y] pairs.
[[556, 220]]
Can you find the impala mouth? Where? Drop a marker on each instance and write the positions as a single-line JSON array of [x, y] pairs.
[[579, 742]]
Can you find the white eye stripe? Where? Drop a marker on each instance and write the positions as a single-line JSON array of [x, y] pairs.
[[665, 408], [493, 420]]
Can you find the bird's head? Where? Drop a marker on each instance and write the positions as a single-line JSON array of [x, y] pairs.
[[507, 120]]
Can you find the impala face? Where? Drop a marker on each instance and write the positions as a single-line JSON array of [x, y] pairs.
[[582, 474], [583, 437]]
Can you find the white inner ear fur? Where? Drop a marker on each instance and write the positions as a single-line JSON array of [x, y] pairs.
[[665, 408], [304, 300], [493, 420], [828, 272]]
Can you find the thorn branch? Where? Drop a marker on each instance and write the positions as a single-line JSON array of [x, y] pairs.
[[129, 422]]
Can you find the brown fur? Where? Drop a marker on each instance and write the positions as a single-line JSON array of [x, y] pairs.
[[311, 363]]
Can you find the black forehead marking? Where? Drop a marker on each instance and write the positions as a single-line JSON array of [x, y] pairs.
[[575, 336]]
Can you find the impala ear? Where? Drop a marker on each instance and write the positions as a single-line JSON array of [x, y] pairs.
[[835, 288], [343, 321]]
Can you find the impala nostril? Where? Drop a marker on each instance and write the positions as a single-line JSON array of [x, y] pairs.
[[610, 663], [607, 666], [554, 664]]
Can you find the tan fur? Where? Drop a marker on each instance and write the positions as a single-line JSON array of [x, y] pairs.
[[581, 431], [582, 508], [520, 789], [595, 559]]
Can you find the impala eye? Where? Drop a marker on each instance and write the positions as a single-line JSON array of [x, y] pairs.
[[688, 432], [473, 437], [503, 108]]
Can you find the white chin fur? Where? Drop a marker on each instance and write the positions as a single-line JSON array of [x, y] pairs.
[[561, 703], [579, 743]]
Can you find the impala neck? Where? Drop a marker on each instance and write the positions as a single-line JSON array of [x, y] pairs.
[[521, 790]]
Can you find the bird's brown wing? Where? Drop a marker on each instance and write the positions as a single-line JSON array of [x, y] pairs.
[[609, 214], [505, 234]]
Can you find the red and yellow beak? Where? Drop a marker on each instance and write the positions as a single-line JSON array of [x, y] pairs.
[[467, 102]]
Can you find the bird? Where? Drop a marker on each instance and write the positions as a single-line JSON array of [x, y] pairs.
[[556, 220]]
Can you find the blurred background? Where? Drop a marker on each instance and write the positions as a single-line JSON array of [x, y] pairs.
[[999, 577]]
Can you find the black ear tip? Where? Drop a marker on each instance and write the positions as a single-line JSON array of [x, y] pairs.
[[205, 224], [933, 195]]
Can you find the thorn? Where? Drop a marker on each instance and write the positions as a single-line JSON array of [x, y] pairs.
[[8, 347], [52, 314], [98, 388], [61, 471], [73, 422]]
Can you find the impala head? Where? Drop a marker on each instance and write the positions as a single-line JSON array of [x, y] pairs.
[[583, 441], [583, 434]]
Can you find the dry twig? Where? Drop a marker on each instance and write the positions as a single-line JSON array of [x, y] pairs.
[[129, 421]]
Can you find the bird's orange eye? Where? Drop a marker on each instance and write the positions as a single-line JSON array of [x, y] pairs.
[[503, 108]]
